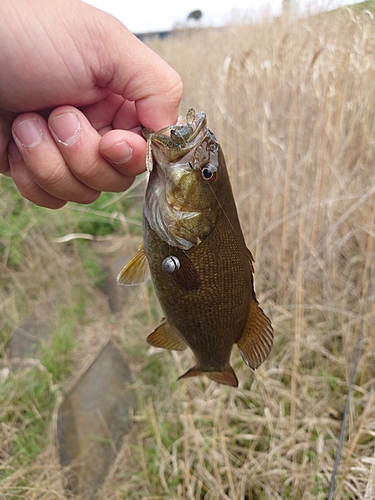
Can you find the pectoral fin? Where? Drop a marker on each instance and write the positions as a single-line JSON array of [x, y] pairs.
[[257, 338], [136, 270], [187, 276], [166, 337]]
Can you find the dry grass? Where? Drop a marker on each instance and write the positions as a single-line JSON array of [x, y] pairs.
[[293, 107]]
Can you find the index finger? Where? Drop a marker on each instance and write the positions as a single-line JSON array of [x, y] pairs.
[[140, 75]]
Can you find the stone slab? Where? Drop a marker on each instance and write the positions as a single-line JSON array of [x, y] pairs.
[[93, 418], [26, 337], [117, 295]]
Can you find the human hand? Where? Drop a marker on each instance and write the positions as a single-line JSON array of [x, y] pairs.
[[75, 88]]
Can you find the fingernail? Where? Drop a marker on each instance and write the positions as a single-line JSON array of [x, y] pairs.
[[118, 153], [28, 132], [13, 151], [66, 128]]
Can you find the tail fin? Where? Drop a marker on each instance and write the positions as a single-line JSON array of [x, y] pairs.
[[227, 377]]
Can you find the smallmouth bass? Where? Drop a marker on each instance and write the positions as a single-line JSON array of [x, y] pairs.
[[195, 251]]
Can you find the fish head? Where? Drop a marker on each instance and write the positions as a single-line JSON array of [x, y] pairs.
[[182, 203]]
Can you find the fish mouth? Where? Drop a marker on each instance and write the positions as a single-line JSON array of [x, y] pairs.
[[171, 144], [175, 156]]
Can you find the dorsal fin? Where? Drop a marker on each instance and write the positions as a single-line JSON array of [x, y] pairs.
[[136, 270], [166, 337], [250, 259], [257, 338]]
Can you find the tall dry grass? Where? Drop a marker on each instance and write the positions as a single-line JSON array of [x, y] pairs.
[[292, 106]]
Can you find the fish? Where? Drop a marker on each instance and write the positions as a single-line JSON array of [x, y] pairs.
[[195, 252]]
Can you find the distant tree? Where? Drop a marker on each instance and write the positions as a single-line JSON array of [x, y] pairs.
[[195, 15]]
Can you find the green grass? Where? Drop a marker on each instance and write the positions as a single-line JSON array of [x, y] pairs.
[[57, 282], [57, 352], [27, 400]]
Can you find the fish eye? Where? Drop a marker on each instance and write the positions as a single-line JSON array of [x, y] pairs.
[[209, 173]]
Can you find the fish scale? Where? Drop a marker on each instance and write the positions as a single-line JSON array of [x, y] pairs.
[[195, 314]]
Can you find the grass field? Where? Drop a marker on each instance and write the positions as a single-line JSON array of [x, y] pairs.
[[293, 108]]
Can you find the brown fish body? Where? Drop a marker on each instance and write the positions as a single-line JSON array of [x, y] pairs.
[[208, 301], [211, 318]]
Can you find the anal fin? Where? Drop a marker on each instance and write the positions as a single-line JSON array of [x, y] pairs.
[[257, 338], [136, 270], [166, 337]]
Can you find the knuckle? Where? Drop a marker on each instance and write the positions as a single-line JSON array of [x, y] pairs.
[[88, 197], [177, 87]]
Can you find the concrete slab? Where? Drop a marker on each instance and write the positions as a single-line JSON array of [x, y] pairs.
[[92, 420]]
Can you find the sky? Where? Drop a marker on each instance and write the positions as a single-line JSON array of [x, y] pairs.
[[142, 16]]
